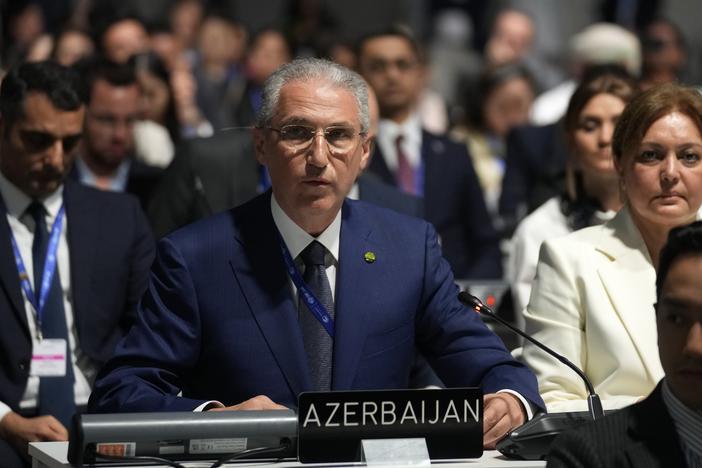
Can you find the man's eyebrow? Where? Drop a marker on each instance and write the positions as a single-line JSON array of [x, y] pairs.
[[295, 121], [48, 135], [29, 131], [303, 121], [680, 302]]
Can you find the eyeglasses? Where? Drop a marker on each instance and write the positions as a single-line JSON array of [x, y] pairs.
[[340, 139]]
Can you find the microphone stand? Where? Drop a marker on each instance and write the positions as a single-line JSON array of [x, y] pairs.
[[594, 404], [532, 440]]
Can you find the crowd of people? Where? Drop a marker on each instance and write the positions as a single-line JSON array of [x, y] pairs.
[[201, 216]]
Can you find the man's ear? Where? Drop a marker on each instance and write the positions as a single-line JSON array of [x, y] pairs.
[[367, 147], [259, 145]]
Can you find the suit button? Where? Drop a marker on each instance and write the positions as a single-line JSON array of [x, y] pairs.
[[22, 366]]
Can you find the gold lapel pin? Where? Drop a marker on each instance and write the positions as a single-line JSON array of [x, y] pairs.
[[369, 257]]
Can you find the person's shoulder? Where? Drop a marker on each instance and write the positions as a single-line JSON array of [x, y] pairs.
[[442, 143], [380, 217], [602, 439], [230, 140], [105, 199], [588, 237], [547, 217], [224, 224]]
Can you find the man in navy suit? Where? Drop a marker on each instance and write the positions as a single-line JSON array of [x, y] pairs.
[[424, 164], [96, 259], [224, 325]]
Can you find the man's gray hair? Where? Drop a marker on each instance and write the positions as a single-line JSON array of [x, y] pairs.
[[309, 69]]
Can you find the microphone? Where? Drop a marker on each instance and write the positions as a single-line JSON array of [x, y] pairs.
[[532, 440]]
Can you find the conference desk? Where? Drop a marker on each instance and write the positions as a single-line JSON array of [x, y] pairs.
[[53, 455]]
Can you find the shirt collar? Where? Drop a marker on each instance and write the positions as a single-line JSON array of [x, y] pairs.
[[118, 181], [17, 202], [688, 422], [355, 192], [411, 129], [296, 239]]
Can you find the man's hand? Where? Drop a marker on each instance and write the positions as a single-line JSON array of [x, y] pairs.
[[260, 402], [503, 412], [19, 430]]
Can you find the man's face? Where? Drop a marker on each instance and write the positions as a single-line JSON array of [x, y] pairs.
[[311, 179], [37, 150], [109, 122], [394, 72], [679, 319]]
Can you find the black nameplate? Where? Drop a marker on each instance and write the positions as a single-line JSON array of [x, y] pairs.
[[331, 425]]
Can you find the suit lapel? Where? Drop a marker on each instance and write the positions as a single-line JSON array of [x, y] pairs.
[[631, 270], [432, 149], [260, 272], [651, 425], [354, 283], [9, 277], [82, 221]]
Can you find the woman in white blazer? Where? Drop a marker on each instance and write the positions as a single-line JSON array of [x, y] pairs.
[[591, 196], [594, 290]]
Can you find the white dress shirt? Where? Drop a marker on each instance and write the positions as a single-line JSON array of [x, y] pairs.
[[22, 227], [118, 181], [296, 240], [411, 131]]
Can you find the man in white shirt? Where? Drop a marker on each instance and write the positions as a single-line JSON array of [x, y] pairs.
[[73, 261], [425, 164]]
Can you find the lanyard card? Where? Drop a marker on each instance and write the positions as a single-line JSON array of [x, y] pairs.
[[49, 358]]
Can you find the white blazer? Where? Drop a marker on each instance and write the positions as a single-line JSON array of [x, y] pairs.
[[592, 301]]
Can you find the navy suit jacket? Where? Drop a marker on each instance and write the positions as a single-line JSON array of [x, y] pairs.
[[639, 436], [454, 204], [110, 252], [219, 321], [534, 170]]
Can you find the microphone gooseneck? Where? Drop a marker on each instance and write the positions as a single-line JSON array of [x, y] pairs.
[[593, 401]]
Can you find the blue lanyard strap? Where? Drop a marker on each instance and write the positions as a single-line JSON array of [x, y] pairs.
[[47, 275], [317, 309]]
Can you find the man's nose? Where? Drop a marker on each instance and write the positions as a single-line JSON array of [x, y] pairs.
[[122, 130], [55, 154], [693, 345], [318, 153]]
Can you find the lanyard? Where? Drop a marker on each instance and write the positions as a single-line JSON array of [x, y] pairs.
[[47, 275], [314, 305]]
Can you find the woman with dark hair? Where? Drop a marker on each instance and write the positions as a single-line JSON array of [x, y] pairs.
[[159, 130], [594, 290], [503, 99], [591, 195]]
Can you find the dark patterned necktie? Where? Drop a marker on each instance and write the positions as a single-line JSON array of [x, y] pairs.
[[405, 173], [318, 344], [56, 395]]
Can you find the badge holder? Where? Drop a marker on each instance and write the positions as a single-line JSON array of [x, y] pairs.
[[395, 452]]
